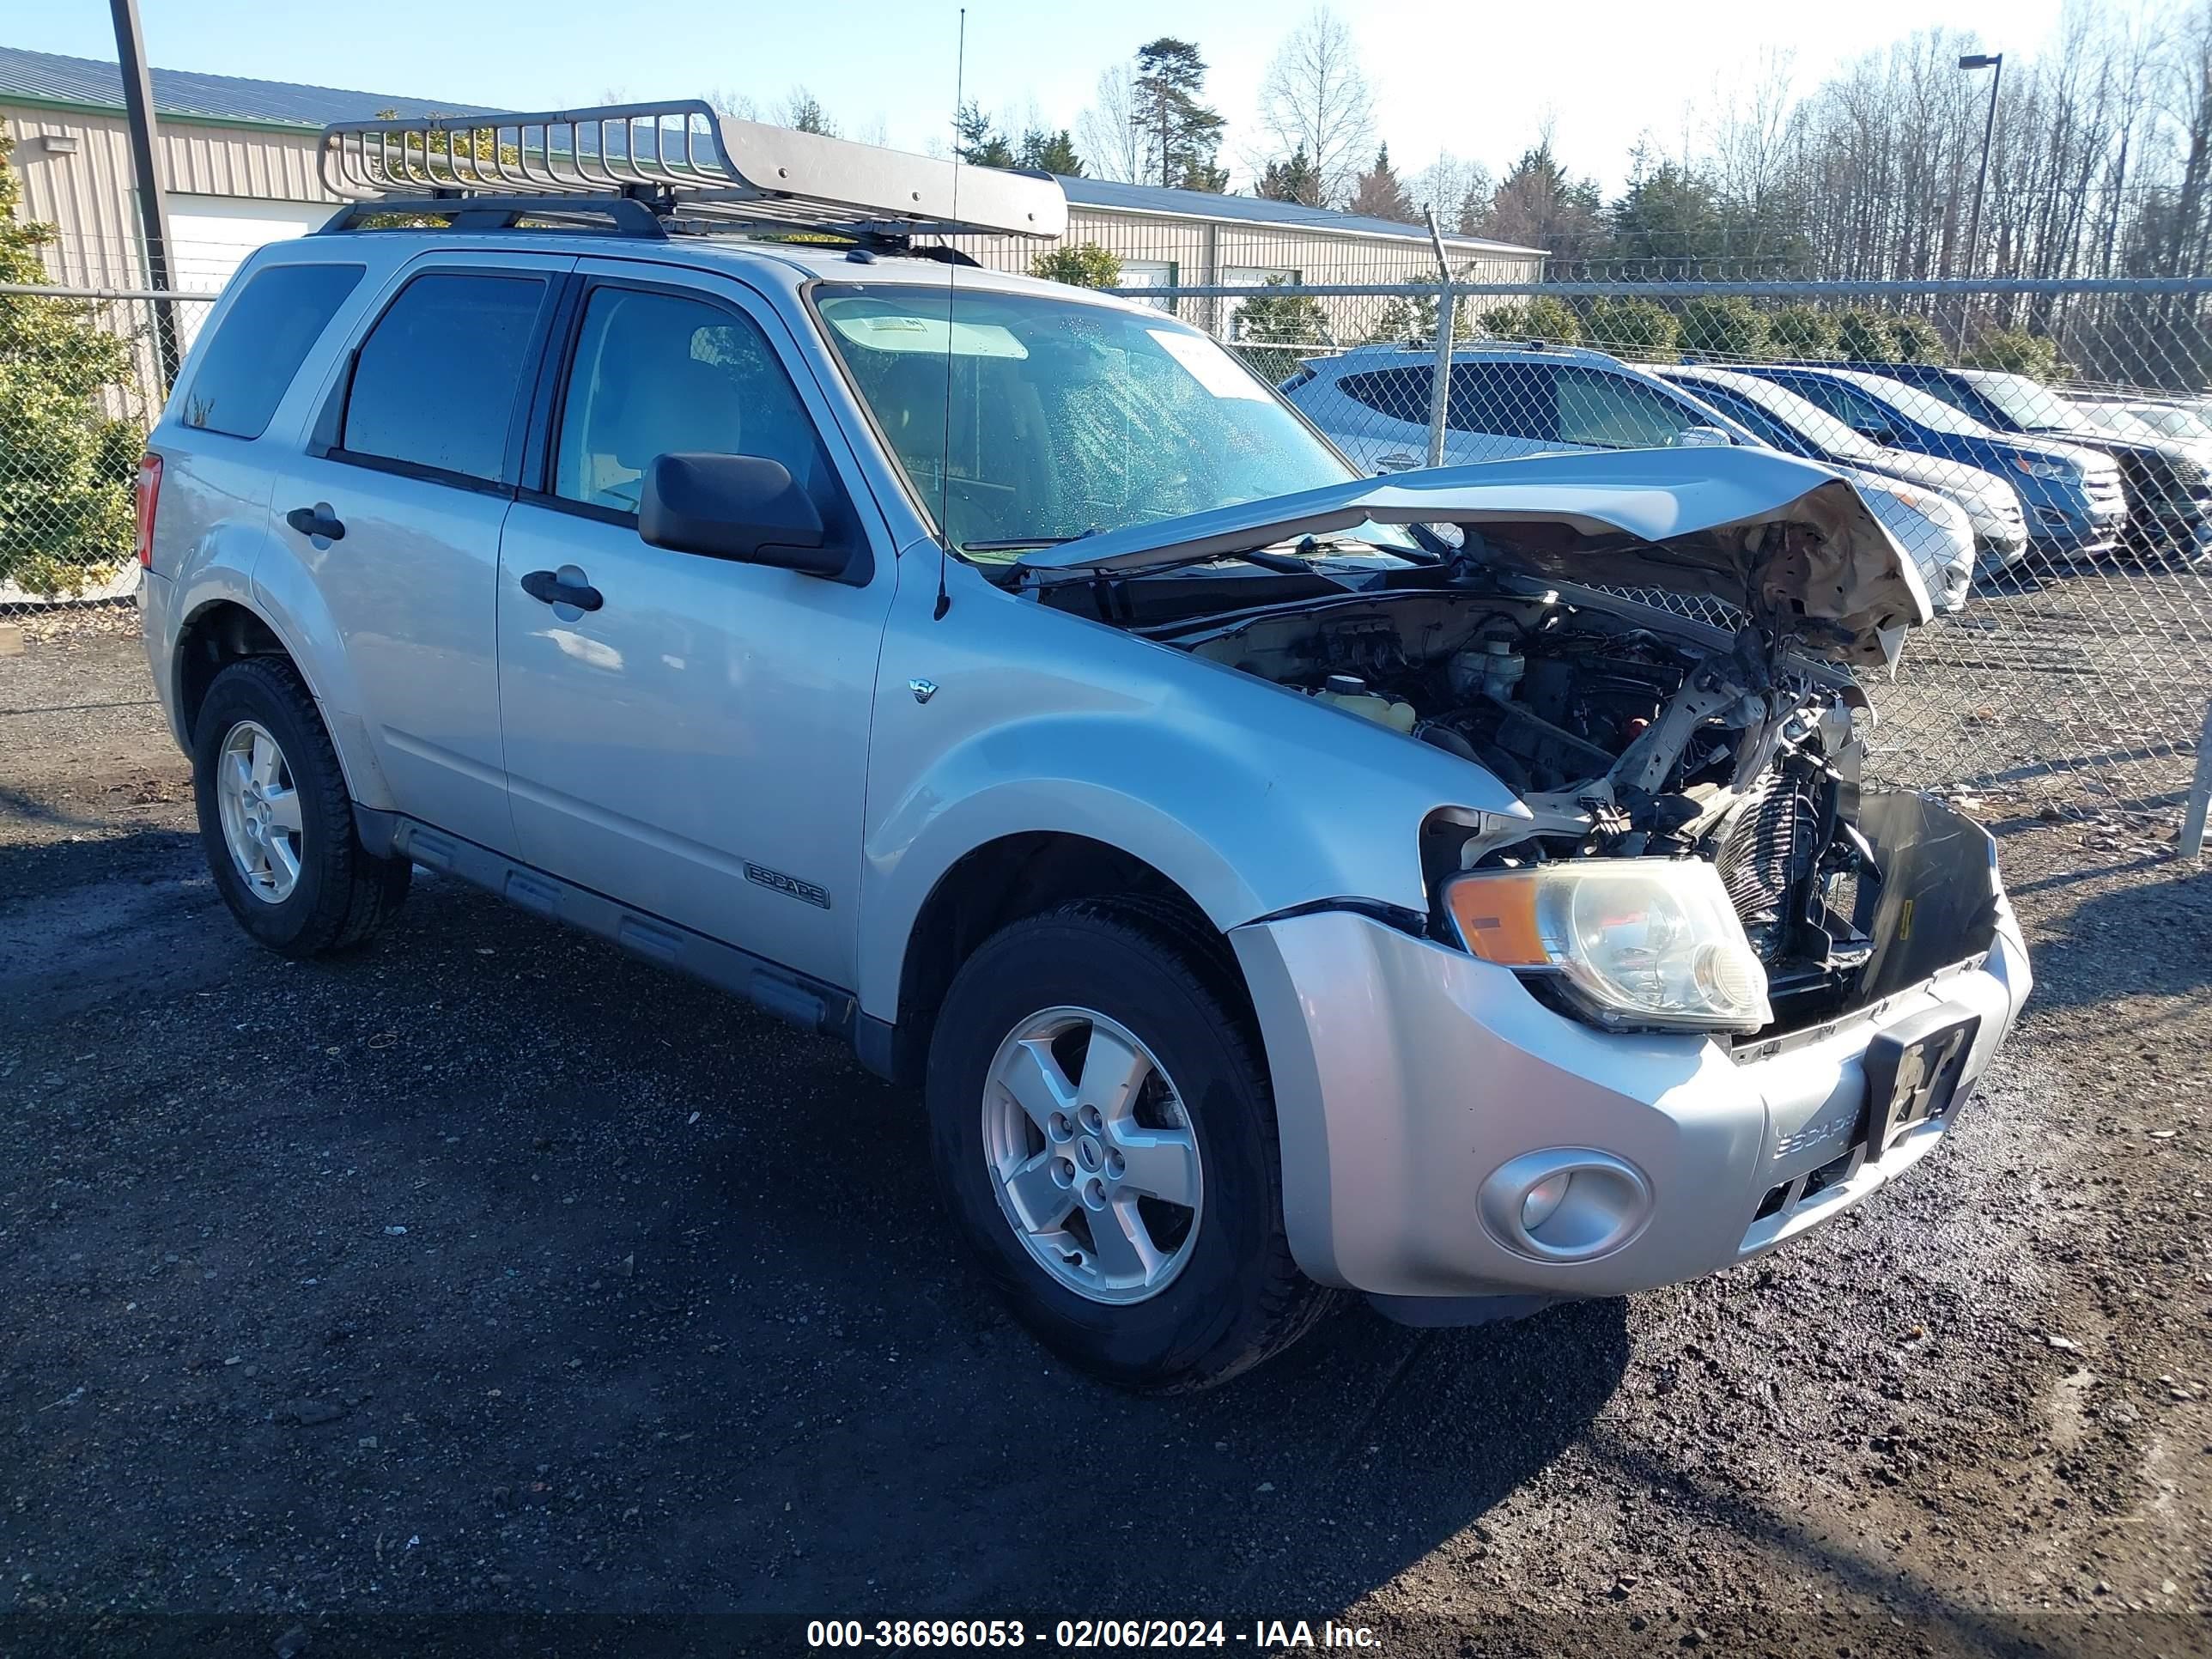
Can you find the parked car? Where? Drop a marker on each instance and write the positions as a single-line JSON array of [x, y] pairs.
[[1374, 403], [2168, 480], [1797, 426], [2129, 417], [2076, 505], [1268, 898]]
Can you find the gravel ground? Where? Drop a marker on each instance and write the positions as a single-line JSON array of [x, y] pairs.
[[489, 1271]]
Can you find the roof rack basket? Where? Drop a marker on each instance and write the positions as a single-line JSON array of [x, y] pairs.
[[688, 163]]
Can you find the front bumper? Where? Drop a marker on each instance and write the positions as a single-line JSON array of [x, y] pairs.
[[1406, 1072]]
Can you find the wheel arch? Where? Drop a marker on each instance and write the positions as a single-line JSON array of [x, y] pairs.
[[1021, 874]]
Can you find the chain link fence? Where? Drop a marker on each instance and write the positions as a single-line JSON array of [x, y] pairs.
[[2043, 450]]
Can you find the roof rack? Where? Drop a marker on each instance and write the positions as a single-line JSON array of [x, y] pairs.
[[692, 167]]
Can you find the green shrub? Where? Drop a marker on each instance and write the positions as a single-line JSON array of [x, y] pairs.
[[1865, 337], [1801, 333], [1082, 265], [1633, 328], [1728, 327], [66, 465], [1276, 332], [1544, 318], [1918, 340], [2017, 351]]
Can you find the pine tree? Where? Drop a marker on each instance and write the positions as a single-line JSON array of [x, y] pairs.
[[977, 141], [1051, 152], [1295, 180], [66, 466], [1181, 135], [1379, 195]]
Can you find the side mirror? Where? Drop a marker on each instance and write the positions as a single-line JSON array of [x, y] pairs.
[[1881, 436], [740, 507], [1702, 437]]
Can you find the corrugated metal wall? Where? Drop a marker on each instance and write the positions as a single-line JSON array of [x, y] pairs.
[[86, 194]]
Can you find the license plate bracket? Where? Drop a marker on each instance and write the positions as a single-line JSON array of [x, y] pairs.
[[1913, 1070]]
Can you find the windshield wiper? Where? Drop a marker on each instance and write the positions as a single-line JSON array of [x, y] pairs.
[[1023, 544]]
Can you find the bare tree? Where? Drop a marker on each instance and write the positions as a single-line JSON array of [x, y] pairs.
[[738, 105], [1315, 98], [1112, 131], [1448, 184]]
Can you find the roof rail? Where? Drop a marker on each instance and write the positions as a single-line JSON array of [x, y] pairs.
[[687, 163]]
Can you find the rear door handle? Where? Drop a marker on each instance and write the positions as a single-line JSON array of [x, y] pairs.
[[316, 520], [549, 587]]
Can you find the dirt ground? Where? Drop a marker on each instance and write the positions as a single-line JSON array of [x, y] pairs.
[[490, 1272]]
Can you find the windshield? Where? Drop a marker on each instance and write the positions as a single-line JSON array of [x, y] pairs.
[[2029, 404], [1065, 417], [2171, 422], [1910, 401], [1801, 415], [2110, 417]]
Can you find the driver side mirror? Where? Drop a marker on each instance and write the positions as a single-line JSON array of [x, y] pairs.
[[740, 507], [1702, 437], [1878, 435]]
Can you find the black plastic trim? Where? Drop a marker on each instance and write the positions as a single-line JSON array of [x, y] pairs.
[[809, 1003]]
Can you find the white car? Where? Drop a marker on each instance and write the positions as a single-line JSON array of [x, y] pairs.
[[1514, 401], [1262, 897]]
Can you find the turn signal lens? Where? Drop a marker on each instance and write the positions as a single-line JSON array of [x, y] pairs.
[[1637, 942]]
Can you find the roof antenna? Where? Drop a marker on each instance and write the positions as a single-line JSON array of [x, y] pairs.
[[952, 284]]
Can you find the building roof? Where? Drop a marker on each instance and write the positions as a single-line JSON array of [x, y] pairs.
[[48, 77], [1259, 210], [90, 82]]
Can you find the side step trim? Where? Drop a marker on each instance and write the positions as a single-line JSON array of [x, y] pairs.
[[805, 1002]]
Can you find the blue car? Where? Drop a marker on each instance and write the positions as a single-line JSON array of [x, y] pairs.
[[2075, 506]]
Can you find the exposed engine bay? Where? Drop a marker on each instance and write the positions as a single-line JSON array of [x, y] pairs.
[[1628, 733]]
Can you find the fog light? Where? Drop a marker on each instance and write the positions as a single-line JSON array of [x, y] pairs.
[[1565, 1203], [1544, 1198]]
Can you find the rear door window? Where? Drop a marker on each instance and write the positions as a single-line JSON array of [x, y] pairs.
[[1401, 393], [266, 336], [1507, 399], [1610, 411], [436, 383]]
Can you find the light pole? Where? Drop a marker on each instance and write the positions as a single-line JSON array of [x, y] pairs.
[[1977, 60]]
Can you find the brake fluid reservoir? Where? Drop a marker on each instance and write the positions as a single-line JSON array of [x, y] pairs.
[[1349, 692]]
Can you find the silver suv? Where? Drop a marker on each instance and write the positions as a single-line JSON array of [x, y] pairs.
[[1276, 882]]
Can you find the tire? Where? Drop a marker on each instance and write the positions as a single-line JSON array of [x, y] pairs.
[[340, 893], [1233, 1297]]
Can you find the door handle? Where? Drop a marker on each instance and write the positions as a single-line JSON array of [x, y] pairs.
[[547, 587], [316, 520]]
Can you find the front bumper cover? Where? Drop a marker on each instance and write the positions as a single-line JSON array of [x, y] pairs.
[[1407, 1072]]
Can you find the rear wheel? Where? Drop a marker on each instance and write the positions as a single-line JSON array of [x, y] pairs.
[[1104, 1130], [276, 821]]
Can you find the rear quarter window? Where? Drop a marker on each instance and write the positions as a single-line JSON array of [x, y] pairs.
[[262, 341]]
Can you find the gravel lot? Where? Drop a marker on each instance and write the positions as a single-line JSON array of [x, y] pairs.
[[490, 1271]]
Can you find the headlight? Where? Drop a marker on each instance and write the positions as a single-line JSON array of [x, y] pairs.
[[2065, 471], [1637, 944]]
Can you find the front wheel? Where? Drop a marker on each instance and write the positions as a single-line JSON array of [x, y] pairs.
[[1104, 1131]]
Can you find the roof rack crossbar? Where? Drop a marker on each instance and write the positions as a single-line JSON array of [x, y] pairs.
[[694, 164], [625, 217]]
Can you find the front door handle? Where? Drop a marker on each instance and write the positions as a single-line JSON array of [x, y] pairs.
[[551, 587], [317, 521]]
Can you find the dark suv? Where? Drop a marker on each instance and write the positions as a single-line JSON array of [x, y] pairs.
[[2169, 480]]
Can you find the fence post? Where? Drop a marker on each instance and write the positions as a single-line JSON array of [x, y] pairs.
[[2200, 793], [1440, 386]]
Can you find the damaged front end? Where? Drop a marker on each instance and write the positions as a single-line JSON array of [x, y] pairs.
[[1699, 850]]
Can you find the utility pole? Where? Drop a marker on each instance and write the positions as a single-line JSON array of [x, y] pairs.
[[153, 202]]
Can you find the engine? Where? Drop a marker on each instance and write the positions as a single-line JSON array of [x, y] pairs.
[[1626, 740]]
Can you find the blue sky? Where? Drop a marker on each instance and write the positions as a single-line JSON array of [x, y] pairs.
[[1474, 77]]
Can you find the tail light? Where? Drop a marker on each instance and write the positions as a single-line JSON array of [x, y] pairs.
[[150, 496]]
